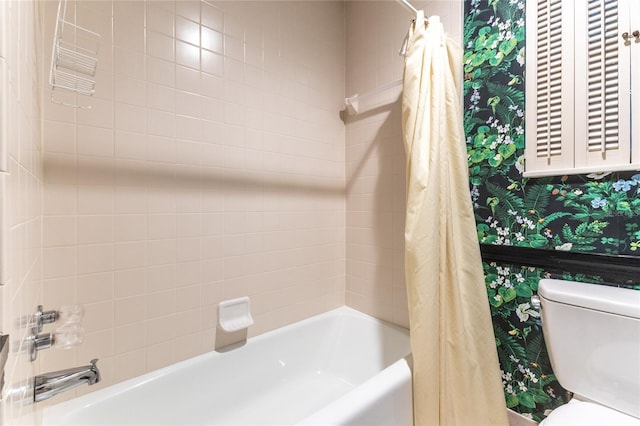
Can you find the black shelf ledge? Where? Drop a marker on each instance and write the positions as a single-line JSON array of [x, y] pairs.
[[614, 269]]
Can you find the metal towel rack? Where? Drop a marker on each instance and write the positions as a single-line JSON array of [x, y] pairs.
[[74, 58]]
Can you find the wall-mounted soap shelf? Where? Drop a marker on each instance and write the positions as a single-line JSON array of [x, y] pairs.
[[235, 314], [74, 58]]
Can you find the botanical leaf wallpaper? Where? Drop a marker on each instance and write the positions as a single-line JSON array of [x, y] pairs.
[[596, 212], [589, 213], [529, 384]]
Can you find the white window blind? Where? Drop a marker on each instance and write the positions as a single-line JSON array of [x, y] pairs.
[[602, 94], [548, 74], [549, 69], [602, 76]]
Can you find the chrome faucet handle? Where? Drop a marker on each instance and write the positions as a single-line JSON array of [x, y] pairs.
[[70, 314], [37, 342], [40, 318], [66, 336]]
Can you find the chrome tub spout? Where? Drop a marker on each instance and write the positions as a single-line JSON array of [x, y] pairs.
[[51, 384]]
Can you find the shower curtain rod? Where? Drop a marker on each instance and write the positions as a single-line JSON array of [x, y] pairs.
[[407, 5]]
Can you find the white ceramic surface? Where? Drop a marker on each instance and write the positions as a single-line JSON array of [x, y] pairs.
[[315, 366], [592, 333]]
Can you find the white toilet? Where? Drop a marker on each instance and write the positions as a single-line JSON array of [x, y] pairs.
[[592, 334]]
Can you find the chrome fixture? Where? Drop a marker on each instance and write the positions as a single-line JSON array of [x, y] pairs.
[[37, 342], [535, 302], [536, 305], [40, 318], [66, 336], [50, 384]]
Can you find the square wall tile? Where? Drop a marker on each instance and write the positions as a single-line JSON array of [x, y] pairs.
[[212, 165]]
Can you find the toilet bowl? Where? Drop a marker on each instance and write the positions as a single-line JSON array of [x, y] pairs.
[[592, 333]]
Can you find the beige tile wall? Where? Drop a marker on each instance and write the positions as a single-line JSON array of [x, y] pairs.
[[375, 179], [20, 189], [210, 166]]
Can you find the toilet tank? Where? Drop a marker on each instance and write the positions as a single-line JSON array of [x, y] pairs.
[[592, 333]]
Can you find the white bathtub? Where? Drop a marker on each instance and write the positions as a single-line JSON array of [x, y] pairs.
[[338, 368]]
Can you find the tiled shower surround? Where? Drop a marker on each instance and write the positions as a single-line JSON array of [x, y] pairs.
[[210, 166], [375, 161], [213, 164]]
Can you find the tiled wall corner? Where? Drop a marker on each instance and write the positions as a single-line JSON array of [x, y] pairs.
[[375, 158], [21, 194]]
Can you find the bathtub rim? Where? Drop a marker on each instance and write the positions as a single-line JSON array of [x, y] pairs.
[[57, 410]]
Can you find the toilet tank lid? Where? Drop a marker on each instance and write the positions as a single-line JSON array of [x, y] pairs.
[[615, 300]]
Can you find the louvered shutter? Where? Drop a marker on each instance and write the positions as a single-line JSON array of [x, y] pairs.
[[576, 58], [602, 89], [549, 86]]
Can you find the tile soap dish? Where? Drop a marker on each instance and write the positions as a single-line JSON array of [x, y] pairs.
[[235, 314]]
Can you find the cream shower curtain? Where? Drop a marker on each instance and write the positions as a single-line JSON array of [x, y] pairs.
[[455, 364]]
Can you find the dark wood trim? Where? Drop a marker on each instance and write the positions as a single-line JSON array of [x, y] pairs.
[[615, 269]]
